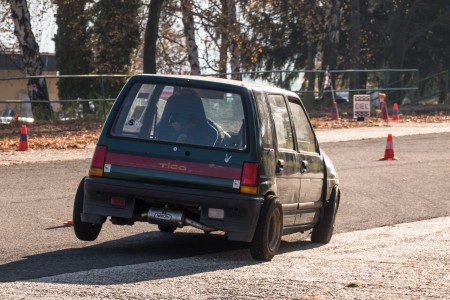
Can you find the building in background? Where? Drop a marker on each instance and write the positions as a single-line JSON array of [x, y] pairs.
[[13, 83]]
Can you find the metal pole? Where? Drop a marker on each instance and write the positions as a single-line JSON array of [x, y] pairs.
[[104, 98], [418, 87], [447, 100]]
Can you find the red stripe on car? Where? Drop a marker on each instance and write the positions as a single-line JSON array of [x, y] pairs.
[[152, 163]]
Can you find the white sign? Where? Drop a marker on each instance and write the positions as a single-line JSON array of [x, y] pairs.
[[361, 106]]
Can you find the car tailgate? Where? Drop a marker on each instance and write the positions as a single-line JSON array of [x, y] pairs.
[[175, 165]]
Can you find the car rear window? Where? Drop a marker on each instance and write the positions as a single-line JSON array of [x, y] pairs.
[[174, 114]]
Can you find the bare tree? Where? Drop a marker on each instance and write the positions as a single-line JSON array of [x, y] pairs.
[[404, 29], [189, 33], [331, 40], [32, 62], [224, 41], [171, 46], [355, 44], [151, 36], [332, 34], [234, 41]]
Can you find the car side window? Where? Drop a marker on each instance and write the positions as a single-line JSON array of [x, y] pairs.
[[281, 120], [303, 130], [265, 124]]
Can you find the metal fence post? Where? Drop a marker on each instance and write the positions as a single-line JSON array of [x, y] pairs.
[[104, 98], [417, 84], [447, 98]]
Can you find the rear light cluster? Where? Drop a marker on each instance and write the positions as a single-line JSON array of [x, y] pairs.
[[98, 161], [118, 201], [250, 178]]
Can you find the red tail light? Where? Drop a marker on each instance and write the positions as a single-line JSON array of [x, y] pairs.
[[98, 161], [250, 178], [118, 202]]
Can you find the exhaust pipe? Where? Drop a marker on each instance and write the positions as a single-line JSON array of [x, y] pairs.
[[165, 217], [199, 225], [177, 218]]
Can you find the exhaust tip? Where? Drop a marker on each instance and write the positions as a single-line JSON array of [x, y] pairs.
[[172, 218]]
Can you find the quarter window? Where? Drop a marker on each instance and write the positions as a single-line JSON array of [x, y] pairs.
[[283, 127], [265, 124], [303, 130]]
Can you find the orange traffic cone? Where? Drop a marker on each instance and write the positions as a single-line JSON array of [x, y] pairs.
[[389, 152], [23, 144], [334, 112], [395, 113]]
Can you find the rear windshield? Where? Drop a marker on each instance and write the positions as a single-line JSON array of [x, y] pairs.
[[164, 113]]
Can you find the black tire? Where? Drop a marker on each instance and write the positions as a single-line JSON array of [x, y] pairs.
[[323, 231], [168, 229], [269, 230], [83, 231]]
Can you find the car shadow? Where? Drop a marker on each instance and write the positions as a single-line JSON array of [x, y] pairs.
[[298, 244], [142, 257]]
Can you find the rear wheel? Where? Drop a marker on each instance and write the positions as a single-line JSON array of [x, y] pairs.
[[267, 238], [323, 231], [83, 231], [168, 229]]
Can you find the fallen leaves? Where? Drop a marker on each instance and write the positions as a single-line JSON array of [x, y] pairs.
[[78, 134], [328, 123], [75, 134]]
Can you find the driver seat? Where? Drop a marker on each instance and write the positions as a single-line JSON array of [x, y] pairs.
[[184, 121]]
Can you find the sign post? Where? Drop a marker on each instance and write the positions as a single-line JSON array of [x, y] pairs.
[[361, 107]]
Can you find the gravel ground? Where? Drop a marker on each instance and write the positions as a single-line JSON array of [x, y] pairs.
[[396, 129], [11, 157], [405, 261]]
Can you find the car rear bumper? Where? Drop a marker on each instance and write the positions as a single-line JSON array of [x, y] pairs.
[[241, 211]]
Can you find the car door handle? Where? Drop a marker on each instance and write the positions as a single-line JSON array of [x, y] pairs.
[[304, 167], [280, 165]]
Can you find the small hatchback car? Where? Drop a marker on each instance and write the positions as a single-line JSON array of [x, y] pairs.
[[215, 154]]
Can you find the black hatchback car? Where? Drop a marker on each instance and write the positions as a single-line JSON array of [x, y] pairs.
[[215, 154]]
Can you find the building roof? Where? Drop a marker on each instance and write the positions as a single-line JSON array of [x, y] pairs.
[[13, 61]]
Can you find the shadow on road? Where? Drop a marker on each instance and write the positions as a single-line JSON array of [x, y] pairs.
[[140, 248], [165, 251]]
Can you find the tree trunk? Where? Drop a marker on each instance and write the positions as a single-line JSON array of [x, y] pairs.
[[189, 34], [32, 62], [311, 76], [234, 33], [395, 61], [72, 25], [224, 41], [396, 49], [151, 36], [332, 37], [355, 46]]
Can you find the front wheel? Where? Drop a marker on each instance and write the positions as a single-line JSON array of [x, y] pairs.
[[267, 238], [83, 231], [323, 231]]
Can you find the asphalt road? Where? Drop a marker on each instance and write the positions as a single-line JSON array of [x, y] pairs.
[[37, 198]]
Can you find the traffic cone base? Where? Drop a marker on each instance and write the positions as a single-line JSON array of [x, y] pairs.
[[69, 222], [389, 152]]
